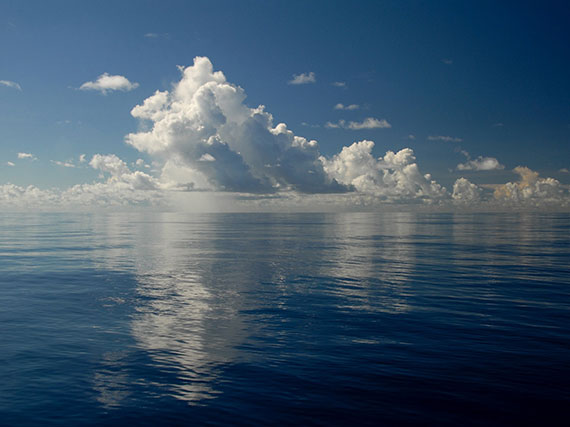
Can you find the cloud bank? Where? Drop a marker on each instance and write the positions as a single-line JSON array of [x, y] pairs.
[[202, 138]]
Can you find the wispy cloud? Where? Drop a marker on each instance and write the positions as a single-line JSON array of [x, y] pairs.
[[447, 61], [368, 123], [411, 136], [564, 170], [108, 83], [10, 164], [157, 35], [303, 78], [63, 164], [11, 84], [340, 106], [498, 125], [444, 138], [26, 156], [339, 84]]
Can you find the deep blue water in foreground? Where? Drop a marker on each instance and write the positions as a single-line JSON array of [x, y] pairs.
[[328, 319]]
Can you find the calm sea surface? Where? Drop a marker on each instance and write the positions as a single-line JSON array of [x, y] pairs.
[[362, 319]]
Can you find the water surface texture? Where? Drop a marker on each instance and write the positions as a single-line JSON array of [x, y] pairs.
[[383, 318]]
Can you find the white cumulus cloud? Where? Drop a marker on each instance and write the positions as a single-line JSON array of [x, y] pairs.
[[108, 83], [303, 78], [394, 176], [26, 156], [203, 128], [481, 164], [466, 192]]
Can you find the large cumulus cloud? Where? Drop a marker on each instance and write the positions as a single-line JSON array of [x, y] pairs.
[[204, 126]]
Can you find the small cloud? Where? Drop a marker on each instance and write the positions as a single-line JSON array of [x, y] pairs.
[[26, 156], [564, 170], [303, 78], [11, 84], [108, 83], [10, 164], [368, 123], [82, 158], [498, 125], [63, 164], [411, 136], [447, 61], [479, 164], [444, 138], [139, 162], [339, 84], [350, 107]]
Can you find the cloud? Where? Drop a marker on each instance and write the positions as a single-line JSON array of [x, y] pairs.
[[395, 176], [339, 84], [498, 125], [447, 61], [303, 78], [26, 156], [202, 138], [531, 188], [107, 83], [368, 123], [121, 188], [10, 164], [444, 138], [11, 84], [481, 164], [466, 192], [564, 170], [63, 164], [204, 132], [411, 136], [350, 107]]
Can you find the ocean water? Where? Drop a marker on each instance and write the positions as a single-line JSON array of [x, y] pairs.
[[306, 319]]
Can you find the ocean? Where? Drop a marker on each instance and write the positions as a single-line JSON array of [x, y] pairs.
[[289, 319]]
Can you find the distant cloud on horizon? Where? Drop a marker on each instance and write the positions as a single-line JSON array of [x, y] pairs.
[[108, 83], [303, 78]]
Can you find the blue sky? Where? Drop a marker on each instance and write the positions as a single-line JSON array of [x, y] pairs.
[[491, 78]]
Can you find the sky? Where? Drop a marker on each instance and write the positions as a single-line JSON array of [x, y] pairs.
[[284, 103]]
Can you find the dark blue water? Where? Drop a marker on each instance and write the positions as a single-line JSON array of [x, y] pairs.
[[327, 319]]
